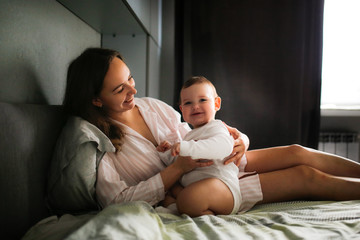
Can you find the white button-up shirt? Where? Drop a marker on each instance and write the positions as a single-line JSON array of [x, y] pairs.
[[134, 173]]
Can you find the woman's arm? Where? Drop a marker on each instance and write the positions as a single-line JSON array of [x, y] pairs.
[[182, 165], [111, 188]]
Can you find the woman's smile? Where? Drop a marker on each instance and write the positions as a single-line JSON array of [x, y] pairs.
[[129, 101]]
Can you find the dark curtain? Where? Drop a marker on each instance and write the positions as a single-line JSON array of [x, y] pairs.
[[264, 57]]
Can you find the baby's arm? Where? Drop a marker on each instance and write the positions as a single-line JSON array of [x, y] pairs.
[[216, 147]]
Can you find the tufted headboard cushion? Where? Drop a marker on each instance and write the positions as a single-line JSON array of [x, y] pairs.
[[28, 134]]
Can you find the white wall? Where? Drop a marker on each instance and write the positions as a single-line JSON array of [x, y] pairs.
[[134, 59], [38, 39]]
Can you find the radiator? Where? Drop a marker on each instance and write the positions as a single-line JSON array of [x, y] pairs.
[[342, 144]]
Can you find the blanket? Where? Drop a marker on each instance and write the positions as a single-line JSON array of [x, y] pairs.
[[138, 220]]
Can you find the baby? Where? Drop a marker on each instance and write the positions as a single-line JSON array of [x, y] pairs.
[[213, 189]]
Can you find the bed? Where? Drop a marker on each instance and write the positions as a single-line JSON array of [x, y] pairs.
[[28, 137], [138, 220]]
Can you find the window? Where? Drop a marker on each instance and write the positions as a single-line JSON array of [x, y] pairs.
[[341, 55]]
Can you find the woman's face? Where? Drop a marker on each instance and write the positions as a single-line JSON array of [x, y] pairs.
[[118, 90]]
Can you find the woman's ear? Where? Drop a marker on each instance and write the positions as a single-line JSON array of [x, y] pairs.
[[217, 103], [97, 102]]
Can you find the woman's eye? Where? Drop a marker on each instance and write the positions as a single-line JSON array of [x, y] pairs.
[[120, 90]]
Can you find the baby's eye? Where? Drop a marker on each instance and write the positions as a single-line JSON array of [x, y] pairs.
[[187, 103], [203, 100]]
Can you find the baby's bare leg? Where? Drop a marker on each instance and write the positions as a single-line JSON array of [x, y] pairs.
[[168, 200], [172, 194], [206, 197]]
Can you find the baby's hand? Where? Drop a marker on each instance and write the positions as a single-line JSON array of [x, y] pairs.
[[164, 146], [175, 149]]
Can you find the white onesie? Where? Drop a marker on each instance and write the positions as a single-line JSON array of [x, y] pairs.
[[214, 142]]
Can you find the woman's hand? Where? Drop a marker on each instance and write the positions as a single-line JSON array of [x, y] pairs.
[[240, 146], [173, 172], [237, 153], [186, 164]]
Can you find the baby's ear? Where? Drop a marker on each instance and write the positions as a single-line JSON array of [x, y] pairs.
[[217, 103]]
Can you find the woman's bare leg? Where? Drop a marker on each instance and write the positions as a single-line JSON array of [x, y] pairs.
[[277, 158], [306, 183]]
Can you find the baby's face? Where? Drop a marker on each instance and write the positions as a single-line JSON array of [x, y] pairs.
[[198, 104]]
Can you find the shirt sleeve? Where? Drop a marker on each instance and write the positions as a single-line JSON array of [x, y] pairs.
[[218, 146], [111, 189]]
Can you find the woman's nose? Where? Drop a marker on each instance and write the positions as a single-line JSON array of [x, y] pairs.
[[132, 89]]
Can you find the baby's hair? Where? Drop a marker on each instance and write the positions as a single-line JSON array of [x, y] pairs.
[[199, 80]]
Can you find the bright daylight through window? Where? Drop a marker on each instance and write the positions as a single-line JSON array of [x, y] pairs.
[[341, 55]]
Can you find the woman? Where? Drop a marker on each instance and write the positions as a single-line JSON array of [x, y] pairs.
[[100, 89]]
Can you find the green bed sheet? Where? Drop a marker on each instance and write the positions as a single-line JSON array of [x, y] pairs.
[[138, 220]]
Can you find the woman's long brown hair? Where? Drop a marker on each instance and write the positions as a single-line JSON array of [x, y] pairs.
[[85, 79]]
